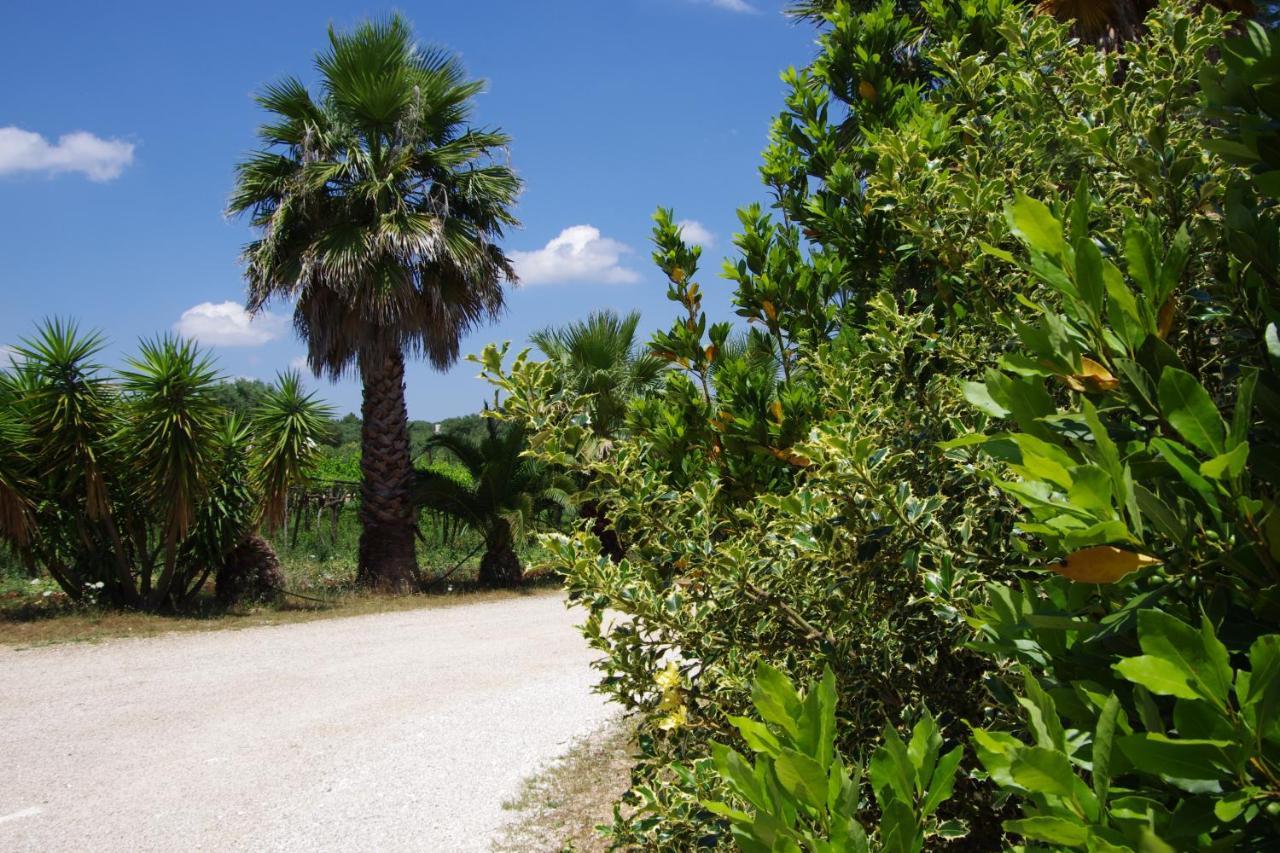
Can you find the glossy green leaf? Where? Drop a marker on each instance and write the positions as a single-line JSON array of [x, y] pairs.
[[1089, 282], [1103, 743], [1176, 757], [1044, 771], [1226, 465], [775, 699], [891, 773], [1263, 695], [802, 777], [1054, 830], [1035, 225], [1198, 654], [1189, 408], [943, 781], [1162, 677], [757, 735]]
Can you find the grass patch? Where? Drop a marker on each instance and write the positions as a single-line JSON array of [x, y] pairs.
[[319, 568], [560, 808]]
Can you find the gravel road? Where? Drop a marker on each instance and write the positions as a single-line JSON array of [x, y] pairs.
[[397, 731]]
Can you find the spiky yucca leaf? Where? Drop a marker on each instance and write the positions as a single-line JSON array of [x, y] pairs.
[[16, 487], [286, 425], [67, 402], [173, 420], [227, 512]]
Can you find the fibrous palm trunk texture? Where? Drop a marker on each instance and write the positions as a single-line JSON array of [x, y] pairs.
[[387, 558]]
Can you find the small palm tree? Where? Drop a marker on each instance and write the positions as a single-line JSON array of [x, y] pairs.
[[507, 493], [602, 356], [378, 210]]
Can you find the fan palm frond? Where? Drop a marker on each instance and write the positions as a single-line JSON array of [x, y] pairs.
[[601, 357]]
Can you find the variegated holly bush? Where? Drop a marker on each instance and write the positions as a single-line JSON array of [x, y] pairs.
[[997, 449]]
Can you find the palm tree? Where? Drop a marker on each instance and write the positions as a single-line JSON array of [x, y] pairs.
[[508, 491], [377, 209], [601, 356]]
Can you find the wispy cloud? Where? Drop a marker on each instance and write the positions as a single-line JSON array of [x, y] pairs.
[[730, 5], [7, 356], [96, 158], [299, 363], [227, 324], [578, 254], [694, 231]]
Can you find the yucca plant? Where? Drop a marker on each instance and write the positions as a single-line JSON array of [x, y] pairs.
[[15, 470], [287, 422], [140, 485]]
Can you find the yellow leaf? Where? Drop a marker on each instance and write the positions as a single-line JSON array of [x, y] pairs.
[[775, 409], [791, 457], [711, 352], [677, 275], [1092, 377], [867, 92], [1102, 564], [1164, 322], [769, 310]]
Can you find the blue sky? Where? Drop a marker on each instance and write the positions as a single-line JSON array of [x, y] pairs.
[[120, 124]]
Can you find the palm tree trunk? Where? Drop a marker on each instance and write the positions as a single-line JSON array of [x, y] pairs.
[[387, 558], [500, 565]]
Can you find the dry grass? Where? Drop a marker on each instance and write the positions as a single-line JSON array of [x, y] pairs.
[[90, 625], [561, 807]]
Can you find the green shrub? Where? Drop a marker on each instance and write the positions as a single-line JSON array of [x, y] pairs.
[[924, 436], [802, 794]]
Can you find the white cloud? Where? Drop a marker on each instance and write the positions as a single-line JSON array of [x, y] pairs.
[[730, 5], [694, 231], [7, 356], [98, 159], [299, 363], [578, 254], [227, 324]]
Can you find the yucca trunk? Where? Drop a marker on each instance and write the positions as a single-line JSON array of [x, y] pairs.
[[250, 571], [387, 558]]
